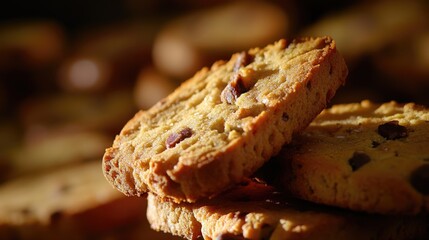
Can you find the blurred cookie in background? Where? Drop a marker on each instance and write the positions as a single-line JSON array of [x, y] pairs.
[[187, 43], [29, 51], [138, 8], [405, 67], [151, 86], [71, 203], [107, 57], [30, 44], [106, 111], [369, 26], [65, 128], [48, 149], [62, 129], [10, 137]]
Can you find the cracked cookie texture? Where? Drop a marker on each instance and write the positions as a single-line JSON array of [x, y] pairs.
[[255, 210], [226, 121], [366, 156]]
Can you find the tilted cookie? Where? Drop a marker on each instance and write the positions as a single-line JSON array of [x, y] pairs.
[[363, 156], [226, 121], [254, 210]]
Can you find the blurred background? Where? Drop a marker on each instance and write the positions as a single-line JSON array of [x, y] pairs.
[[73, 72]]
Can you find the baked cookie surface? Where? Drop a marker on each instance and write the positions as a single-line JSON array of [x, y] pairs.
[[226, 121], [362, 156], [254, 210]]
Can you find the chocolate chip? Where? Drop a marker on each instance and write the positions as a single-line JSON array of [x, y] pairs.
[[285, 117], [229, 236], [233, 90], [236, 84], [56, 216], [420, 179], [176, 138], [358, 160], [392, 130], [243, 59], [25, 211], [375, 144]]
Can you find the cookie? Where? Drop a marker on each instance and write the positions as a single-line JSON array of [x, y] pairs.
[[29, 51], [404, 66], [50, 149], [105, 111], [188, 43], [107, 57], [368, 27], [362, 156], [70, 203], [30, 45], [254, 210], [226, 121]]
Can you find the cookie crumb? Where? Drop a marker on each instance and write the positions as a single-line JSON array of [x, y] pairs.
[[375, 144]]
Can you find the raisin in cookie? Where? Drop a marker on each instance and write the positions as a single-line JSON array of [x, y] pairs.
[[254, 210], [226, 121], [363, 156]]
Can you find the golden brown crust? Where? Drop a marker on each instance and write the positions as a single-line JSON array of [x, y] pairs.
[[286, 85], [254, 210]]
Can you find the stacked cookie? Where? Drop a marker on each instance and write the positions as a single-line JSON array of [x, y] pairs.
[[202, 153], [362, 156]]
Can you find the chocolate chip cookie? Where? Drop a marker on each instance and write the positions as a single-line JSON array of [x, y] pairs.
[[254, 210], [226, 121], [362, 156]]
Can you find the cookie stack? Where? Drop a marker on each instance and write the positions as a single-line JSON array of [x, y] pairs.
[[204, 154]]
